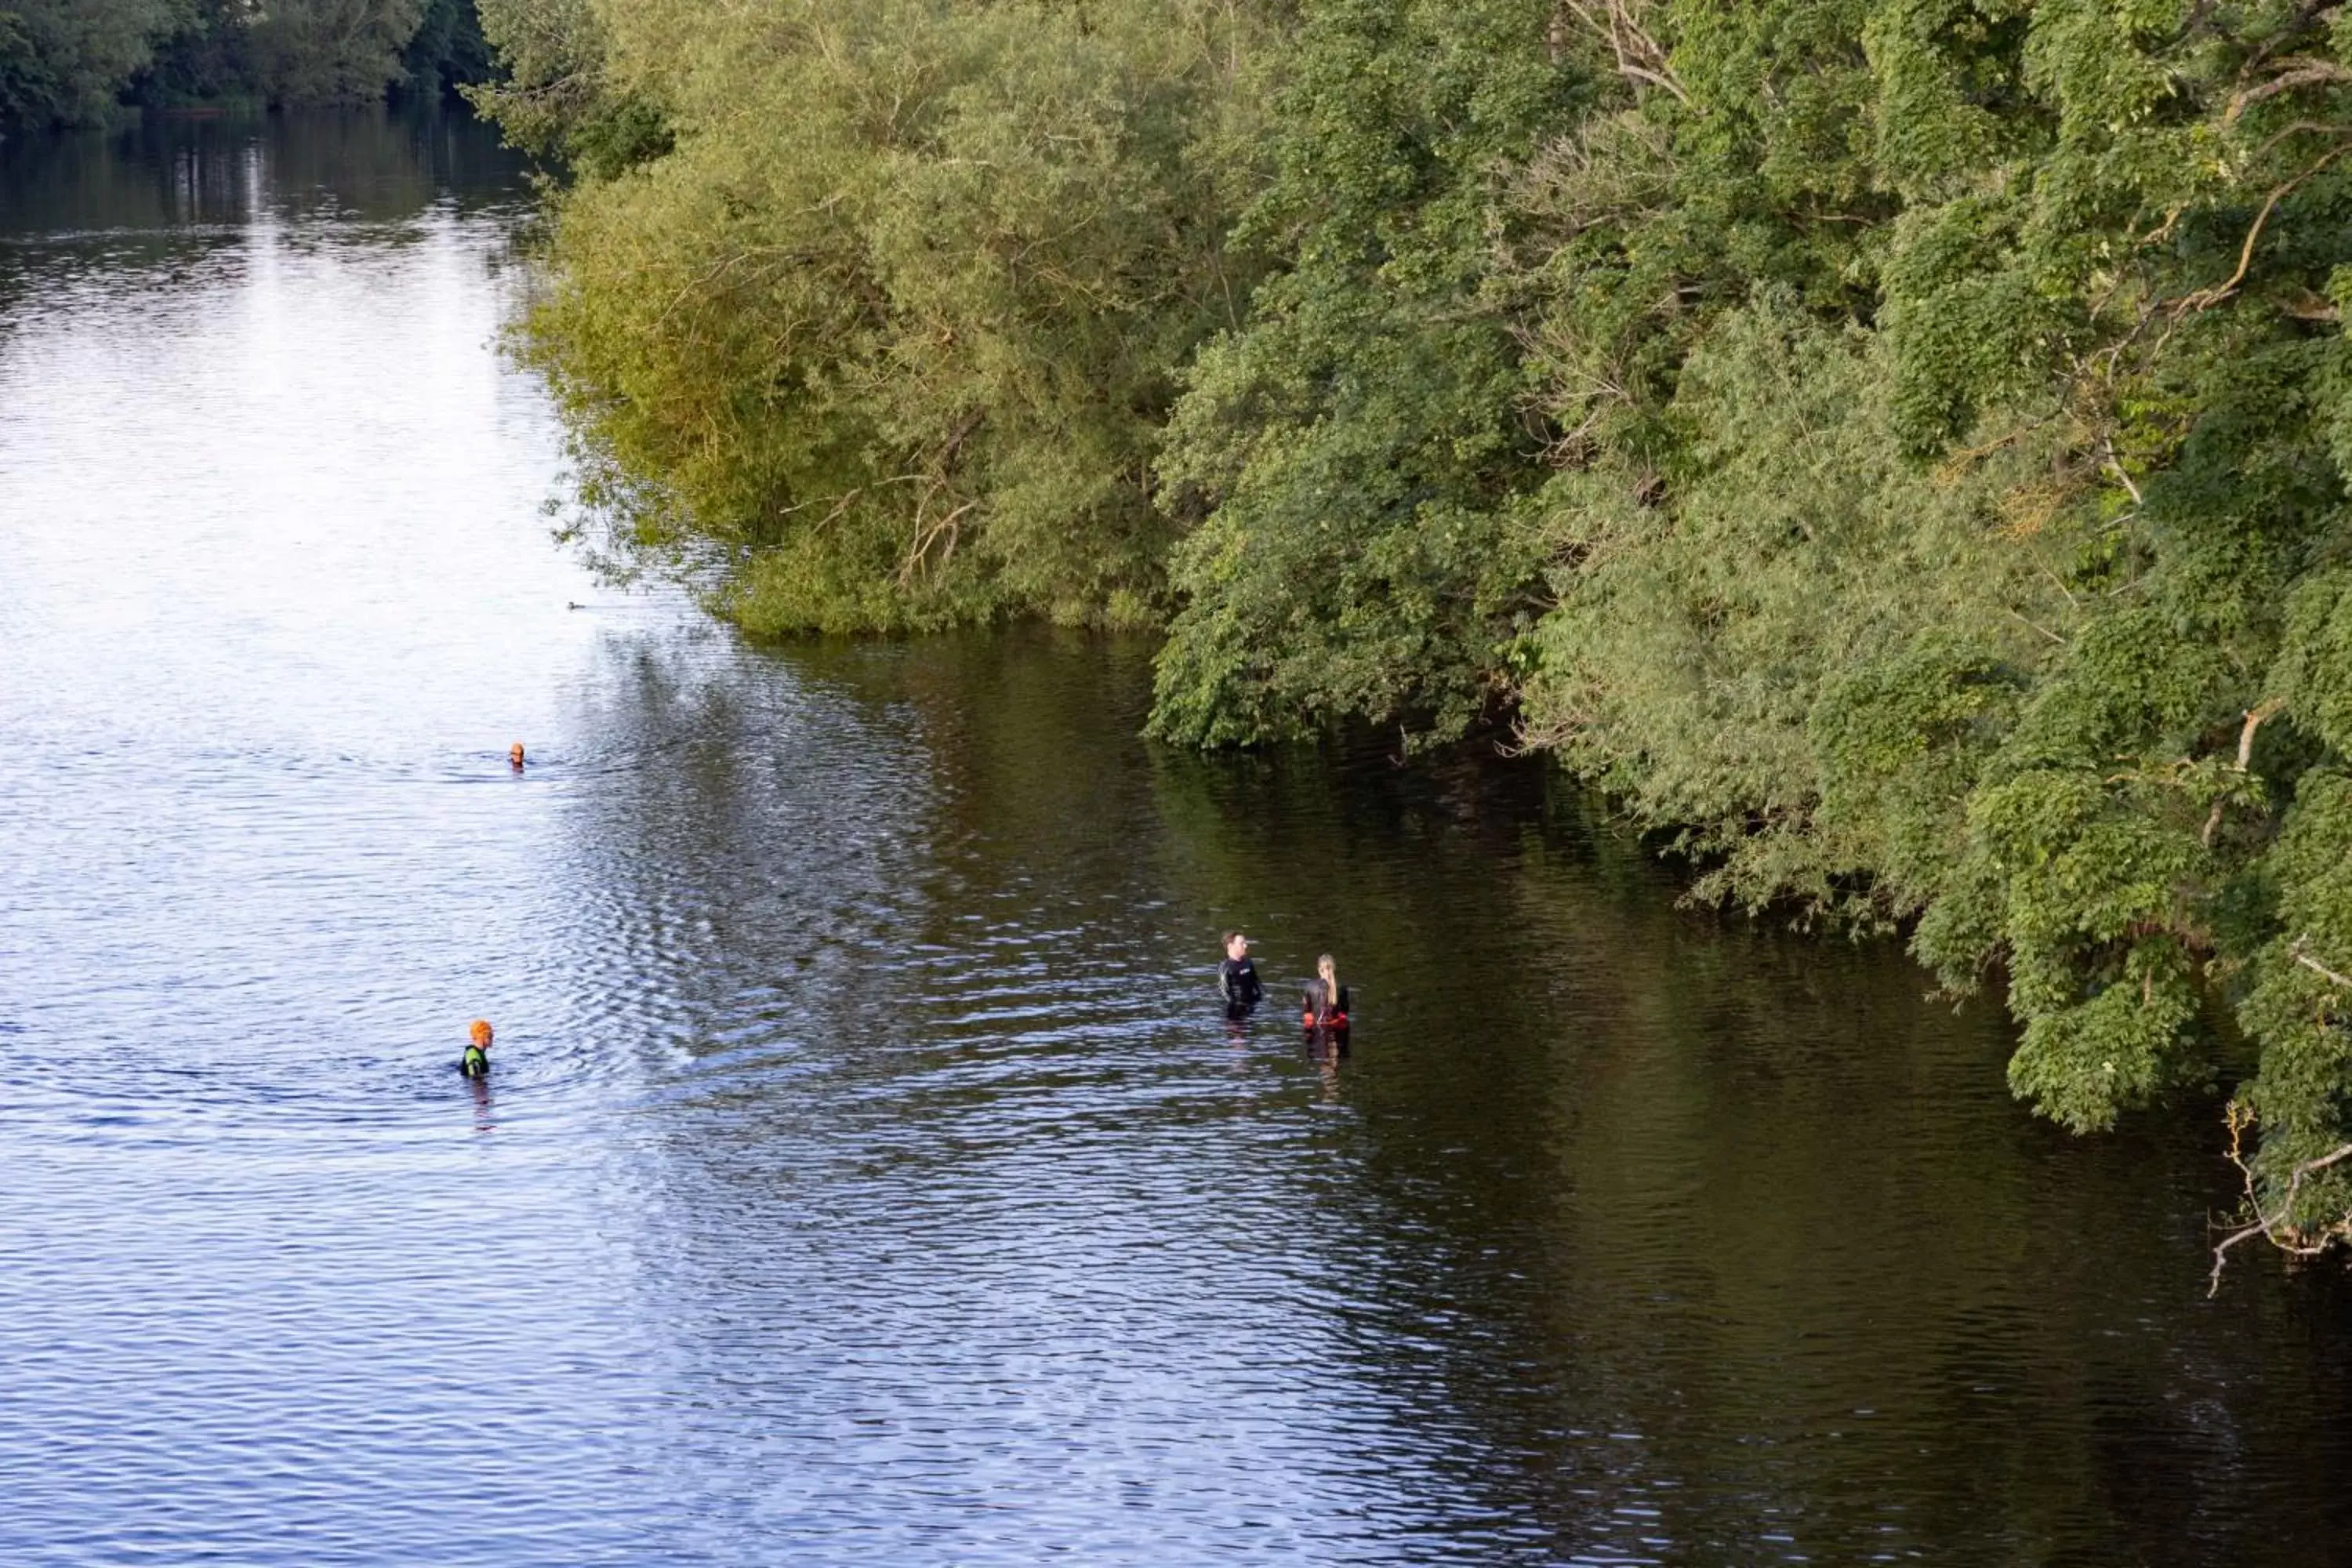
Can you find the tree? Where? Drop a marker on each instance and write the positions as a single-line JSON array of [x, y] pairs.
[[2030, 630], [1896, 447], [873, 310], [1353, 459], [62, 61], [332, 51], [447, 51]]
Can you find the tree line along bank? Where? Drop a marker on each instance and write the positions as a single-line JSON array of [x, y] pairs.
[[80, 62]]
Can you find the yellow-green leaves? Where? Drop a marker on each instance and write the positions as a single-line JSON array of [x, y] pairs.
[[887, 300]]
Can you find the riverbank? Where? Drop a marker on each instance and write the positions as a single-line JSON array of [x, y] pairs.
[[71, 64]]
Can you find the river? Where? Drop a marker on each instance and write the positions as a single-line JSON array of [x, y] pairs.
[[867, 1173]]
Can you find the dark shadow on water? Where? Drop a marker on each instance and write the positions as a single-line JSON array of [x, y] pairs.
[[1634, 1232]]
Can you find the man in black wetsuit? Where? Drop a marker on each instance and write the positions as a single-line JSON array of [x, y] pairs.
[[1237, 976]]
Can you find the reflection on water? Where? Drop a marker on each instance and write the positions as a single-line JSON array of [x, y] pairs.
[[178, 177], [868, 1172]]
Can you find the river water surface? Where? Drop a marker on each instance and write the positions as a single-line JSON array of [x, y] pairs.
[[867, 1173]]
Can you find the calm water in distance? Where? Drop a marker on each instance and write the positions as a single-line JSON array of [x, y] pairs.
[[868, 1174]]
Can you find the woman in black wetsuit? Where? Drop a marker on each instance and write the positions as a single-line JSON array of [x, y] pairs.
[[1325, 1004]]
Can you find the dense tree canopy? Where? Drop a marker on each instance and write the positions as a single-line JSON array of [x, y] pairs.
[[1352, 452], [1896, 447], [62, 61], [1953, 523], [881, 306]]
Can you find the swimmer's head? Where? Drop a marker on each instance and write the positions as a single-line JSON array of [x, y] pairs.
[[1237, 944], [481, 1033], [514, 753]]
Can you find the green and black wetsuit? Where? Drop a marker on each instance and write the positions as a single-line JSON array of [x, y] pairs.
[[474, 1063]]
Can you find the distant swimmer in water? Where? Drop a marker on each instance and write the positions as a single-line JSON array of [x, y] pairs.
[[514, 756], [1237, 978], [1324, 1004], [476, 1062]]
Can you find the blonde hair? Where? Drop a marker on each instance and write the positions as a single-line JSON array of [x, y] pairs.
[[1330, 973], [480, 1032]]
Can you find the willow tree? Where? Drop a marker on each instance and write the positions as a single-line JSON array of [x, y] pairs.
[[330, 51], [872, 310]]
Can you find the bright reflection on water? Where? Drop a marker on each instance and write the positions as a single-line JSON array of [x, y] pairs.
[[867, 1173]]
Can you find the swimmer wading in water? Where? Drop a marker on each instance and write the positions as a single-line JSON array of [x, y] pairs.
[[1237, 976], [1324, 1004], [476, 1062]]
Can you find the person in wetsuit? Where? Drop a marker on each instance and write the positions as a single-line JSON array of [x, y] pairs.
[[1324, 1004], [1237, 978], [476, 1062]]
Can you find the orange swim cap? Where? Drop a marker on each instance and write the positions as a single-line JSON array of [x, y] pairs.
[[482, 1031]]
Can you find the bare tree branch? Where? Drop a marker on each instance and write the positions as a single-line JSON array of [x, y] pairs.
[[2268, 1224], [2331, 977], [2298, 73], [1640, 56], [2205, 297], [2255, 717]]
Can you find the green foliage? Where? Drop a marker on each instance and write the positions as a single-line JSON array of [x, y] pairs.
[[71, 62], [552, 99], [207, 58], [332, 51], [1811, 609], [2314, 674], [1954, 514], [447, 51], [1356, 447], [877, 307], [2298, 1011], [62, 61]]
